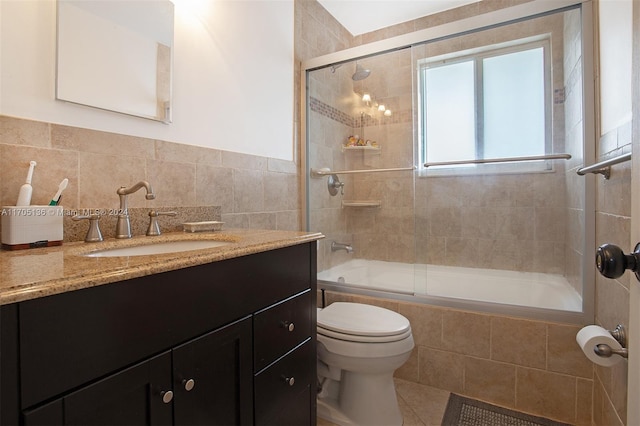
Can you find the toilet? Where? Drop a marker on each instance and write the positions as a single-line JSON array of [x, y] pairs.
[[359, 348]]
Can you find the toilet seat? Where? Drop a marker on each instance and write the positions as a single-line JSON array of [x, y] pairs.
[[357, 322], [363, 339]]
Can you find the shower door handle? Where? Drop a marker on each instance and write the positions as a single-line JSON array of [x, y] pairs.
[[612, 262]]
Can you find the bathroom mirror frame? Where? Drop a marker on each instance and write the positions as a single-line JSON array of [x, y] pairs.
[[116, 56], [464, 26]]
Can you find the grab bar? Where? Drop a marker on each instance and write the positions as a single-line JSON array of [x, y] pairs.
[[501, 160], [604, 167], [328, 172]]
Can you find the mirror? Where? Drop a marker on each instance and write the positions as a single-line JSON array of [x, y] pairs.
[[116, 55]]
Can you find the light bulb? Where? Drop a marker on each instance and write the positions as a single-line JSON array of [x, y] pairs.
[[366, 97], [387, 113], [381, 107]]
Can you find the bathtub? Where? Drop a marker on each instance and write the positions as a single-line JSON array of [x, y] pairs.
[[524, 289]]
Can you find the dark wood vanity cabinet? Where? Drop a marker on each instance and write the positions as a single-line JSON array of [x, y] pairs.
[[230, 342]]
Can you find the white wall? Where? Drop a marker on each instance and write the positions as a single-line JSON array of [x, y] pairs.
[[615, 63], [232, 84]]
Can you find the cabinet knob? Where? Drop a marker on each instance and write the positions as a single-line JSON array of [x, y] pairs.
[[167, 396], [288, 325], [290, 381], [188, 384]]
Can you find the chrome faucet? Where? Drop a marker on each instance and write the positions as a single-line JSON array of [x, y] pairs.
[[123, 226], [340, 246]]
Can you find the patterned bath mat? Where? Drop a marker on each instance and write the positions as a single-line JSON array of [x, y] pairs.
[[463, 411]]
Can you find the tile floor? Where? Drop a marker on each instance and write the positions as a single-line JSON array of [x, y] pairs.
[[420, 405]]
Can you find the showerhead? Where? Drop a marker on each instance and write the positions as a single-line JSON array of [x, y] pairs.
[[360, 74]]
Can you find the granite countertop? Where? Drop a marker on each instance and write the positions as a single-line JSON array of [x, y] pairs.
[[29, 274]]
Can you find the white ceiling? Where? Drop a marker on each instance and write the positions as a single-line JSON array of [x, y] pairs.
[[363, 16]]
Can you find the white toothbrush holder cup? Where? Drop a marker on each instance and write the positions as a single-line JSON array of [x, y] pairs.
[[31, 226]]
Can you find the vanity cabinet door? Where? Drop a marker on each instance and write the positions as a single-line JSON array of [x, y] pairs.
[[212, 377], [139, 395]]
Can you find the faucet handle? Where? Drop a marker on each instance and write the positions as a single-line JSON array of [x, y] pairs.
[[154, 226], [93, 234]]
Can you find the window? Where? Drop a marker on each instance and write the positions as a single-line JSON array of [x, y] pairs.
[[489, 104]]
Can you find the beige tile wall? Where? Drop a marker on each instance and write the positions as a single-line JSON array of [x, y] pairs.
[[613, 225], [249, 191]]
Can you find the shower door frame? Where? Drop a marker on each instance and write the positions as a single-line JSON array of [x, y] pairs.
[[467, 25]]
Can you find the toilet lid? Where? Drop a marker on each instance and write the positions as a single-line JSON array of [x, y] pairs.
[[362, 320]]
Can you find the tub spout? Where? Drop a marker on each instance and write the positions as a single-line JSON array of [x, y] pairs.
[[340, 246]]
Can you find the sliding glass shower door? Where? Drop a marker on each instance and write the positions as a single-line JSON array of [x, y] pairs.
[[451, 163]]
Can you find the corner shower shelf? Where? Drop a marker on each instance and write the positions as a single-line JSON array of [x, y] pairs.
[[364, 203], [361, 148]]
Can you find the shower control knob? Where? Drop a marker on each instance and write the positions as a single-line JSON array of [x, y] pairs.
[[612, 262]]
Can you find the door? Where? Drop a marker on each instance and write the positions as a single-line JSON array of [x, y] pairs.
[[213, 377], [139, 395], [633, 379]]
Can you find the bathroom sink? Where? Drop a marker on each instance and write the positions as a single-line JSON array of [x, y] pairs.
[[158, 248]]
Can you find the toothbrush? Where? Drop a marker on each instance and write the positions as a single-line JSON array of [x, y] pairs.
[[56, 198], [24, 196]]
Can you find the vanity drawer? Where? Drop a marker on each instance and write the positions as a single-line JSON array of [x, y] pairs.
[[280, 328], [284, 386]]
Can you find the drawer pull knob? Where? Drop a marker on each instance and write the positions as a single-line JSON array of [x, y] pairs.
[[188, 384], [288, 325], [167, 396], [290, 381]]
